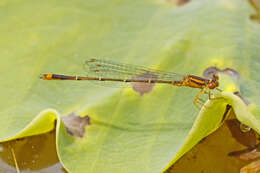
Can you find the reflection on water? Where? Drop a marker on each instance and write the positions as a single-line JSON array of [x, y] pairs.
[[36, 154]]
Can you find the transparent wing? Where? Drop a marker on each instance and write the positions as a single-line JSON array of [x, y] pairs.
[[112, 70], [108, 69]]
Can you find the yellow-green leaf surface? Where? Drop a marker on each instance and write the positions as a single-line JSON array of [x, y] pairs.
[[128, 132]]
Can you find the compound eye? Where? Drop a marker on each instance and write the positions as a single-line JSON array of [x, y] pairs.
[[214, 76]]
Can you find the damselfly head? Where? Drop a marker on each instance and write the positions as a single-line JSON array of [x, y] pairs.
[[215, 77], [213, 82], [42, 76], [46, 76]]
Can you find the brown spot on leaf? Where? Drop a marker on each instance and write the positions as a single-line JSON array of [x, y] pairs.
[[75, 125], [142, 87], [231, 72], [245, 138], [214, 70], [208, 72]]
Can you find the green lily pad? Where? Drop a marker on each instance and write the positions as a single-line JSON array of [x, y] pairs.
[[127, 132]]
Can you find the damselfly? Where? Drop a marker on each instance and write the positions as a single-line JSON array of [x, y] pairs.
[[103, 70]]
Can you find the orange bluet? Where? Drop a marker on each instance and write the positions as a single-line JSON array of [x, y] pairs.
[[103, 70]]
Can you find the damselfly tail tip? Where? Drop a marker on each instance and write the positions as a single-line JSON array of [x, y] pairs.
[[45, 76], [41, 76]]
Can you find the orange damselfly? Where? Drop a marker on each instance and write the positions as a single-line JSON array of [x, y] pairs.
[[103, 70]]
